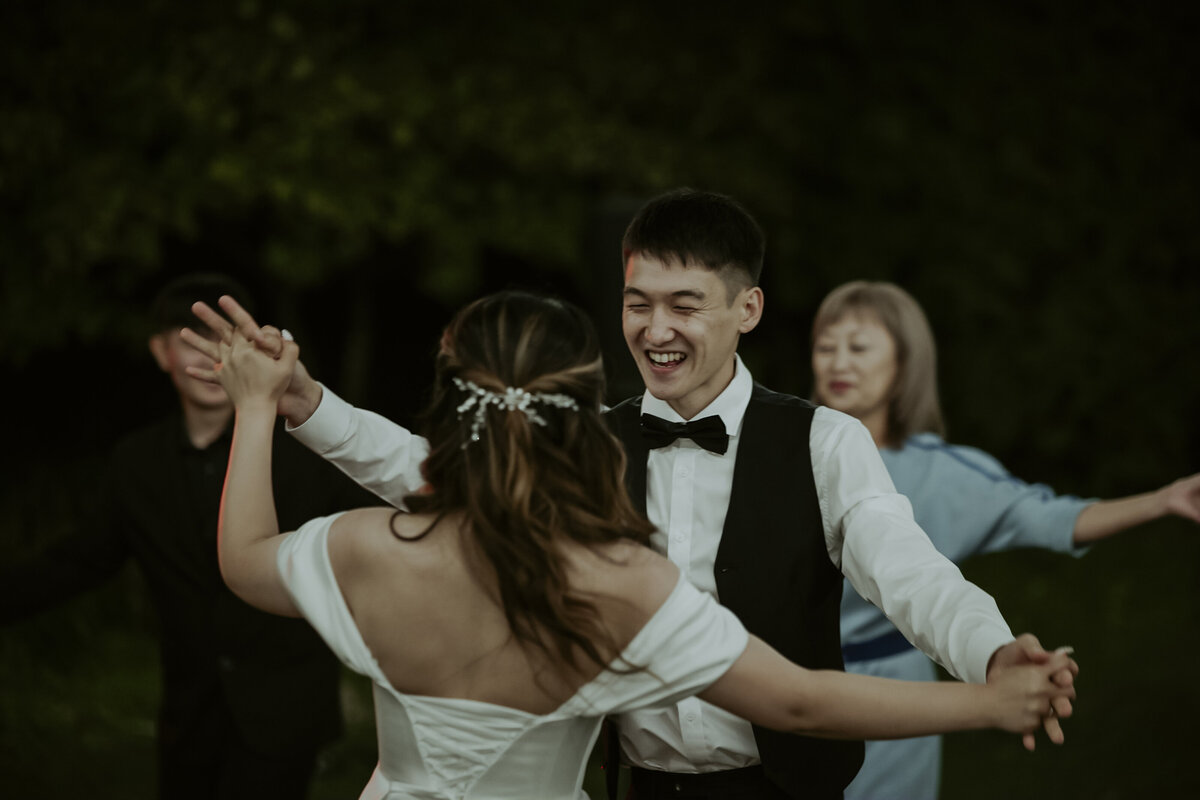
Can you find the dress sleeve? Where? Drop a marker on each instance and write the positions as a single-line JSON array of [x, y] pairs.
[[375, 452], [872, 537], [304, 565], [688, 644]]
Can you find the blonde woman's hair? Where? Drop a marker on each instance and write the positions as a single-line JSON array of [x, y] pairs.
[[914, 406]]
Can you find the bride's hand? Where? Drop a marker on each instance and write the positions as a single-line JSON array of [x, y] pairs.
[[251, 376], [303, 394], [1024, 697]]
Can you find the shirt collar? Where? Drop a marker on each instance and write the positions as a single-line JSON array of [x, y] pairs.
[[729, 405]]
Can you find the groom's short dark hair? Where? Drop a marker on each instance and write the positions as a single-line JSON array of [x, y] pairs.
[[699, 229]]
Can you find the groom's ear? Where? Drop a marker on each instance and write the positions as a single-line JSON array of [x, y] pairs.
[[751, 310]]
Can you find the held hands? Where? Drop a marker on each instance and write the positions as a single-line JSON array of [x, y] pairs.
[[302, 394], [248, 374], [1013, 662], [251, 377], [1028, 696]]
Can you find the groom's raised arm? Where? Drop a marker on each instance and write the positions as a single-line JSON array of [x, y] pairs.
[[375, 452]]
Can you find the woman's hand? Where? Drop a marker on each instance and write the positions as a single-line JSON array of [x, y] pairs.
[[303, 394], [1025, 696], [249, 375]]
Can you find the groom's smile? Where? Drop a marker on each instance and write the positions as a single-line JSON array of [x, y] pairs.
[[682, 330]]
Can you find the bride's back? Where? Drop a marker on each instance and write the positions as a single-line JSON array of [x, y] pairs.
[[519, 575], [427, 607]]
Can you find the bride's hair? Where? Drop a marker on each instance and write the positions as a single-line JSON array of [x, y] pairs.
[[530, 461]]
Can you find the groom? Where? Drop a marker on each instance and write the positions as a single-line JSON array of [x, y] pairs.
[[760, 498]]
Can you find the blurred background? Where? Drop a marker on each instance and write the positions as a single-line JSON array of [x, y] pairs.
[[1029, 171]]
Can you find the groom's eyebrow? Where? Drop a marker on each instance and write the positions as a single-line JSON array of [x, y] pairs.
[[633, 291]]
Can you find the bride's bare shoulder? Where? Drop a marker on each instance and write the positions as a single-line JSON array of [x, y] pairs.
[[628, 570], [356, 527], [628, 554], [368, 537]]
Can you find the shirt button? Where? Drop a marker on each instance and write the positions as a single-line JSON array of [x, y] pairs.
[[683, 473], [690, 717]]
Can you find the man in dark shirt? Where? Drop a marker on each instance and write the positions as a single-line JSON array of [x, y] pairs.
[[248, 698]]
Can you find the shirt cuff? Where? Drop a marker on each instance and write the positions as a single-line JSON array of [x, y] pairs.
[[328, 426], [985, 642]]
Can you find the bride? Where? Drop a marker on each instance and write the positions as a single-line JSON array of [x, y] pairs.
[[514, 602]]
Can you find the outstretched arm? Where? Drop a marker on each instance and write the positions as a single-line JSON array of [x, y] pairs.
[[248, 529], [1107, 517], [892, 563], [767, 689]]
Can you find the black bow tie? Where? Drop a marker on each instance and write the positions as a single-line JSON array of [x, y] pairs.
[[709, 432]]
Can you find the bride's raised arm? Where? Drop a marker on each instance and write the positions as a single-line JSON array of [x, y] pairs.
[[248, 529]]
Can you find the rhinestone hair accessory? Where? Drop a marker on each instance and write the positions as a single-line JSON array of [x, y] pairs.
[[511, 399]]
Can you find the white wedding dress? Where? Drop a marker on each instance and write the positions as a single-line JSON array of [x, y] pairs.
[[437, 748]]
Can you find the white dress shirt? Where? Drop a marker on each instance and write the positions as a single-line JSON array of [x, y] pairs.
[[869, 534]]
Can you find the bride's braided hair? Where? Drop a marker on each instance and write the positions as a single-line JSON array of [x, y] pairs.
[[529, 481]]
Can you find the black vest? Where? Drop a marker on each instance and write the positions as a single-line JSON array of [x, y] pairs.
[[772, 568]]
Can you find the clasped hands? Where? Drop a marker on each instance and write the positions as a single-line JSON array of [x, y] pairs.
[[296, 399], [1026, 650]]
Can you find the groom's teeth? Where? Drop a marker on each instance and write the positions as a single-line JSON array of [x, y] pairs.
[[665, 358]]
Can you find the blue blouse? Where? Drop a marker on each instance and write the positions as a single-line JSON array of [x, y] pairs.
[[968, 504]]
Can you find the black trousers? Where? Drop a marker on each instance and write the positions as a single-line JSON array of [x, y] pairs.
[[748, 783]]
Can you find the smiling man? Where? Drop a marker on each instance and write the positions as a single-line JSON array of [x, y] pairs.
[[765, 501], [682, 327]]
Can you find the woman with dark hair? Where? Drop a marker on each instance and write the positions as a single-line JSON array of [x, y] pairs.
[[513, 603], [874, 358]]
